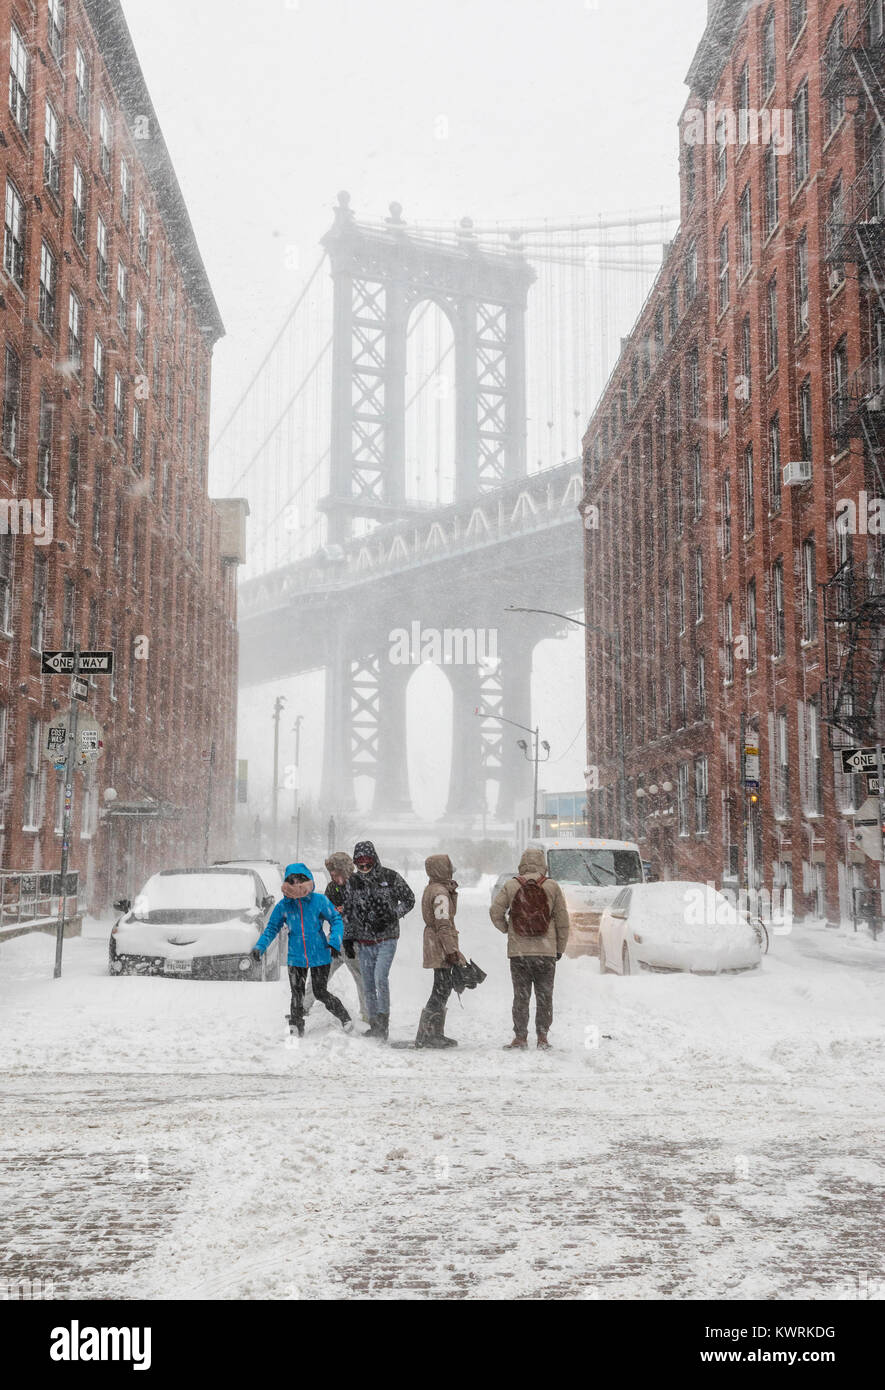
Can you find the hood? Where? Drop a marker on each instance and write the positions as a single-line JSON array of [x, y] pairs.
[[439, 868], [340, 863], [533, 861], [364, 849], [298, 869]]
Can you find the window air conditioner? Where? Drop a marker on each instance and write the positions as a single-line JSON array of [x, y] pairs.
[[797, 472]]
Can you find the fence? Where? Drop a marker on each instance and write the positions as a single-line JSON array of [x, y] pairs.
[[28, 898]]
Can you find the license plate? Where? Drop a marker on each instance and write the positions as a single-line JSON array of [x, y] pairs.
[[178, 967]]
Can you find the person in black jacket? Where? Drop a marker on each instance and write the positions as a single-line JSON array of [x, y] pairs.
[[375, 899], [340, 868]]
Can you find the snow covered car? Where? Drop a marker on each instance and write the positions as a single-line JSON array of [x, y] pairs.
[[675, 926], [196, 923]]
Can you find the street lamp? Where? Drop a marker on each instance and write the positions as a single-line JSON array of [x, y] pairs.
[[534, 757], [615, 637]]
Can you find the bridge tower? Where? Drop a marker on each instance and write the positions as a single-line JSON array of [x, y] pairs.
[[380, 274]]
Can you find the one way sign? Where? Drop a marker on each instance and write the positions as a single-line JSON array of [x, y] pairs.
[[62, 663], [859, 760]]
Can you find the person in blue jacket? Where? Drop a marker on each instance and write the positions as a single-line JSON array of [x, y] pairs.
[[304, 911]]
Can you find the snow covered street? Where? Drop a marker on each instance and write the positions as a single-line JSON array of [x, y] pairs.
[[689, 1137]]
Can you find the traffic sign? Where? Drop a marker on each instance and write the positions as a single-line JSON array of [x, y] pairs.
[[79, 690], [62, 663], [872, 784], [55, 744], [867, 835], [90, 740], [858, 759]]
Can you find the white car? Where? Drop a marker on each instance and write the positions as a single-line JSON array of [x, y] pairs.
[[676, 926], [196, 923]]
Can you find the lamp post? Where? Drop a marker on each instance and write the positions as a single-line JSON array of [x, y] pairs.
[[277, 711], [534, 758], [614, 636]]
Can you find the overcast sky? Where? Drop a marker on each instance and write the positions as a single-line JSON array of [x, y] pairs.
[[547, 108]]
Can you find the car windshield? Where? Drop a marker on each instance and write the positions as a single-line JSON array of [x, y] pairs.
[[599, 867], [196, 897]]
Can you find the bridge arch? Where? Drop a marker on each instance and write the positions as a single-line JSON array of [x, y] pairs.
[[432, 359]]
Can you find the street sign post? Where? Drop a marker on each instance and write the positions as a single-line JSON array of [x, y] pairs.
[[71, 763], [62, 663]]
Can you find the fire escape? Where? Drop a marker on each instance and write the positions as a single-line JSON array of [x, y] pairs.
[[853, 68]]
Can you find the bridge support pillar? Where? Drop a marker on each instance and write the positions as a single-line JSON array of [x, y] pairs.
[[392, 766], [467, 784]]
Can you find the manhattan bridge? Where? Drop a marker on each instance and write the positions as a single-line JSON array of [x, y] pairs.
[[410, 450]]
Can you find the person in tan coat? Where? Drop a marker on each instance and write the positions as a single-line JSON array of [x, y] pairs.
[[531, 911], [441, 949]]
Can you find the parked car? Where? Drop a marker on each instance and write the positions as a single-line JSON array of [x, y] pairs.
[[196, 923], [676, 926], [590, 873], [269, 871]]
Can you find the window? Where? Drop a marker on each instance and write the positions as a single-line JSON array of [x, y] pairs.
[[676, 408], [838, 380], [46, 306], [659, 333], [797, 18], [746, 381], [677, 496], [104, 141], [167, 485], [119, 408], [802, 285], [170, 311], [726, 514], [721, 156], [666, 613], [6, 575], [769, 55], [67, 616], [38, 605], [18, 80], [800, 136], [775, 477], [75, 331], [743, 103], [772, 345], [674, 305], [14, 237], [125, 192], [701, 797], [122, 291], [691, 180], [74, 479], [118, 532], [778, 620], [680, 601], [729, 640], [682, 798], [781, 765], [137, 438], [98, 374], [158, 277], [834, 46], [749, 492], [101, 247], [691, 272], [746, 229], [140, 332], [723, 395], [836, 218], [93, 624], [724, 293], [12, 442], [752, 627], [694, 384], [770, 189], [31, 810], [97, 507], [78, 207], [179, 418], [811, 761], [56, 28], [44, 444], [809, 591], [697, 481], [805, 437], [143, 234], [683, 696], [51, 163], [698, 584], [167, 401], [81, 71], [130, 684]]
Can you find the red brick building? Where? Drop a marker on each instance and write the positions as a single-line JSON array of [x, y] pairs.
[[760, 347], [108, 324]]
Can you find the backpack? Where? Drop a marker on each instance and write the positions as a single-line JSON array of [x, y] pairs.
[[530, 910]]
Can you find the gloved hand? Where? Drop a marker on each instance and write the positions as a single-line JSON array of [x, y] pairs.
[[559, 955], [350, 950], [453, 958], [256, 956], [336, 953]]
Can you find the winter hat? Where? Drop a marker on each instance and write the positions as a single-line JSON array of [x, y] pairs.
[[365, 850], [340, 863]]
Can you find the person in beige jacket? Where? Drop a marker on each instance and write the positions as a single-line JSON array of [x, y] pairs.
[[441, 949], [533, 951]]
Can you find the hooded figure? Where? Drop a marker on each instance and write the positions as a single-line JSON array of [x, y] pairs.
[[439, 904], [375, 900], [537, 929], [304, 911], [340, 868]]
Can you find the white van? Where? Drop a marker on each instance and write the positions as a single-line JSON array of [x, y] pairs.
[[591, 873]]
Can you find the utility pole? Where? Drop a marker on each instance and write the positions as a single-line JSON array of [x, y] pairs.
[[296, 808], [70, 766], [277, 711]]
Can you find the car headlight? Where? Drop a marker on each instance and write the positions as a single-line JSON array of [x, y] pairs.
[[245, 962]]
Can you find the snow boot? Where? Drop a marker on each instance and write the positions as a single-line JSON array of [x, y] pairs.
[[296, 1025], [519, 1043], [372, 1030], [424, 1036], [439, 1024], [382, 1020], [543, 1044]]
